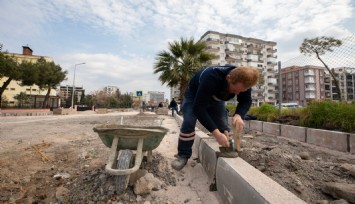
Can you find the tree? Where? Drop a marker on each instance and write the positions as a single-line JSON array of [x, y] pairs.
[[319, 46], [182, 59], [46, 75], [8, 68], [125, 101], [22, 98]]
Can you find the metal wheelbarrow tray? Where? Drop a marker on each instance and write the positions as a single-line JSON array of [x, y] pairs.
[[127, 138]]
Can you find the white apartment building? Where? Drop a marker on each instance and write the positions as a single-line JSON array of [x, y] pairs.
[[155, 96], [175, 93], [346, 79], [242, 51], [110, 90]]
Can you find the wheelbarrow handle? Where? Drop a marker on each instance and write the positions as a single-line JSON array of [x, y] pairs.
[[113, 155]]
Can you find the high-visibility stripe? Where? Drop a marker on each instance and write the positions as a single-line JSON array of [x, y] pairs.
[[186, 139], [187, 136]]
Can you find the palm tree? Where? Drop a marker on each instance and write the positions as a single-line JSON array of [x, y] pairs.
[[183, 59]]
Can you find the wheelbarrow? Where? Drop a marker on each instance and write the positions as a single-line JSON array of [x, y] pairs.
[[140, 135]]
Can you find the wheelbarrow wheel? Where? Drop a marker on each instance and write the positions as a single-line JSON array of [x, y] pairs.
[[124, 161]]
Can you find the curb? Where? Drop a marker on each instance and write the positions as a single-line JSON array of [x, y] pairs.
[[236, 180]]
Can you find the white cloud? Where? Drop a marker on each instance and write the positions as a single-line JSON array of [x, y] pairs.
[[108, 69], [144, 27]]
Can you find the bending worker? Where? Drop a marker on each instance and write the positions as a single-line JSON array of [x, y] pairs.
[[204, 100]]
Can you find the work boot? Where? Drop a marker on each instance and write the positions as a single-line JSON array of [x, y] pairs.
[[179, 163]]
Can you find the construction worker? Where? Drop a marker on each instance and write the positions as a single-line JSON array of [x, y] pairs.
[[204, 100]]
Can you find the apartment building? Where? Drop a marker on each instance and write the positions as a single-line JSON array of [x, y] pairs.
[[155, 96], [346, 80], [65, 93], [110, 90], [237, 50], [34, 92], [302, 84], [175, 93]]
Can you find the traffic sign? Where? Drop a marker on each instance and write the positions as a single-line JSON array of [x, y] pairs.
[[139, 93]]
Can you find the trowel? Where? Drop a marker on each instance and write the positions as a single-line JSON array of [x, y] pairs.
[[228, 152]]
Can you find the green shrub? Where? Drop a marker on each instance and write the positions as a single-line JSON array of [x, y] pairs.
[[231, 109], [265, 112], [329, 115]]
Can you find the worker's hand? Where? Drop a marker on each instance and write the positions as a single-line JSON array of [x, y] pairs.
[[238, 122], [221, 138]]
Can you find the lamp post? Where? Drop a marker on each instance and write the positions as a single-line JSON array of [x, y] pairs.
[[73, 93]]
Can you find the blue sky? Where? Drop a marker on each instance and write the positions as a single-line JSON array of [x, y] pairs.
[[119, 39]]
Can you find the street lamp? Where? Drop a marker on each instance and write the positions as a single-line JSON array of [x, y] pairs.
[[72, 95]]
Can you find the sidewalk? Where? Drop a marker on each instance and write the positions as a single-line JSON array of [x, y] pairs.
[[192, 182]]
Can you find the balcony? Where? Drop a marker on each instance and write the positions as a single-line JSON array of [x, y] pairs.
[[231, 59], [309, 82], [310, 89], [254, 90], [234, 43], [234, 51], [309, 73], [308, 96], [271, 50], [271, 81], [212, 40], [212, 49], [272, 63], [254, 47]]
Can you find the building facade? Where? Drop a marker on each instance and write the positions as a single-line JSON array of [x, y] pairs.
[[36, 95], [175, 93], [242, 51], [302, 84], [110, 90], [65, 94], [346, 80], [155, 96]]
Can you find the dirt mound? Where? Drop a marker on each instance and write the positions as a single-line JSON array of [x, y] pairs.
[[95, 185], [301, 168]]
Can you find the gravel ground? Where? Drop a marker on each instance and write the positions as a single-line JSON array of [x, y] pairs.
[[60, 159]]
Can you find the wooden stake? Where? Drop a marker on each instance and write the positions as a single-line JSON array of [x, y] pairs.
[[236, 138], [44, 157]]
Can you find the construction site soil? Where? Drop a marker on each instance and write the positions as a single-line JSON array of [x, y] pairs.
[[60, 159]]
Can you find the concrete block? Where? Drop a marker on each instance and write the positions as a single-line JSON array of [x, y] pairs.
[[239, 182], [247, 124], [256, 125], [162, 111], [329, 139], [294, 132], [352, 143], [101, 110], [208, 156], [271, 128], [178, 119], [199, 136]]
